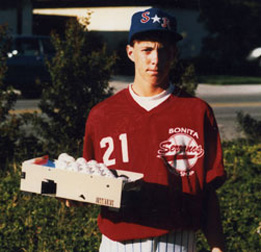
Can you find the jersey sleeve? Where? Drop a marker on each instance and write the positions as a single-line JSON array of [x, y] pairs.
[[214, 167]]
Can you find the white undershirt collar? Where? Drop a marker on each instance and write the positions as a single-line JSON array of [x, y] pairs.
[[151, 102]]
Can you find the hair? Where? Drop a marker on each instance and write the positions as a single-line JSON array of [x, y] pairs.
[[160, 36]]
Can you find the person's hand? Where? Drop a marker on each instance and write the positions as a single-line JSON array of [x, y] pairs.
[[72, 203]]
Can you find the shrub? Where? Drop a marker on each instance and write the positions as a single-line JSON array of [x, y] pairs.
[[28, 143], [8, 124], [250, 126], [16, 140], [240, 197], [41, 224], [183, 75], [80, 72]]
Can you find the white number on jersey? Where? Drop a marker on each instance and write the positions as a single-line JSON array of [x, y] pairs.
[[108, 143]]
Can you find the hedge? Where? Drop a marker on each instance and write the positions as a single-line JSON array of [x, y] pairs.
[[36, 223], [240, 198]]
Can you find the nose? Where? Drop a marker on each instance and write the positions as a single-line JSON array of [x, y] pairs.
[[155, 57]]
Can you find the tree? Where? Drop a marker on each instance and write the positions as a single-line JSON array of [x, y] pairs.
[[234, 30], [183, 75], [80, 72]]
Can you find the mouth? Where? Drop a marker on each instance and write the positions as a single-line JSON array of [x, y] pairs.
[[153, 71]]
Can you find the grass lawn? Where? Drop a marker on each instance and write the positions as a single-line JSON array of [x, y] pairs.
[[229, 80]]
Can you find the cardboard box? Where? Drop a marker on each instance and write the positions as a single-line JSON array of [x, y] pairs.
[[77, 186]]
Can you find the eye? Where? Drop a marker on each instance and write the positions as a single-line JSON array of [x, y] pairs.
[[147, 49]]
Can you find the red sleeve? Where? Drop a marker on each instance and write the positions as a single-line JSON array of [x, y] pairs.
[[215, 172]]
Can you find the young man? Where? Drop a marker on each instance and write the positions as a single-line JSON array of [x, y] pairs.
[[172, 138]]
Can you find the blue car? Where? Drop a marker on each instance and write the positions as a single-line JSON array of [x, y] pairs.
[[26, 64]]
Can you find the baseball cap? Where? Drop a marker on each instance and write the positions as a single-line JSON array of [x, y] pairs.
[[153, 19]]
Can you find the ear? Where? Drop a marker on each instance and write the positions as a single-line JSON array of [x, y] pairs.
[[130, 53]]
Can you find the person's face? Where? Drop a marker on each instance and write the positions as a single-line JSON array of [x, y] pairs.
[[152, 61]]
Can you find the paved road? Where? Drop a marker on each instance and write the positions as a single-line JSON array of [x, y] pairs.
[[226, 101]]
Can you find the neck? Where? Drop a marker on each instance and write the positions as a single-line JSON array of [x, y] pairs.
[[143, 88]]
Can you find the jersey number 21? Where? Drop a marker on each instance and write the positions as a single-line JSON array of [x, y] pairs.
[[108, 143]]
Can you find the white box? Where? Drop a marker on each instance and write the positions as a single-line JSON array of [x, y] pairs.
[[77, 186]]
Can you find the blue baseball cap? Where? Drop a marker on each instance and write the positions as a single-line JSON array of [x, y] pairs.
[[153, 19]]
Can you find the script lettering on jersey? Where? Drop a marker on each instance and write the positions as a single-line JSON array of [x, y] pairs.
[[181, 150], [168, 146]]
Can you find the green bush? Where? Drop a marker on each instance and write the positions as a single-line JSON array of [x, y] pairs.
[[250, 126], [7, 94], [227, 42], [34, 223], [16, 141], [240, 197], [9, 124], [80, 73], [183, 75]]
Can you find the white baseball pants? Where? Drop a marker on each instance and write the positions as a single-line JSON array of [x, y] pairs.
[[176, 241]]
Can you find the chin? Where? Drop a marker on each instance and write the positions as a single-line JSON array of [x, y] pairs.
[[157, 80]]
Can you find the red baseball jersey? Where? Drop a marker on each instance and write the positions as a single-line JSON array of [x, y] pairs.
[[176, 146]]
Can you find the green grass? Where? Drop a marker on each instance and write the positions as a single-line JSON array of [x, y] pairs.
[[229, 80]]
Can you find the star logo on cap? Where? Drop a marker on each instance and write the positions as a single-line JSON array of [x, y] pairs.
[[156, 19]]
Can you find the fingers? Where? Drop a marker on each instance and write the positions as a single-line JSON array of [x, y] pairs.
[[68, 203], [71, 203]]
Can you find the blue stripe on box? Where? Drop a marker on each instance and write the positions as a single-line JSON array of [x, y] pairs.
[[50, 164]]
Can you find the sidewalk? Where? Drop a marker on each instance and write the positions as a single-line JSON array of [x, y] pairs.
[[215, 90], [120, 82]]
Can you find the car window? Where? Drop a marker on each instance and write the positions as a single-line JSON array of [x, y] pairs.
[[27, 46]]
